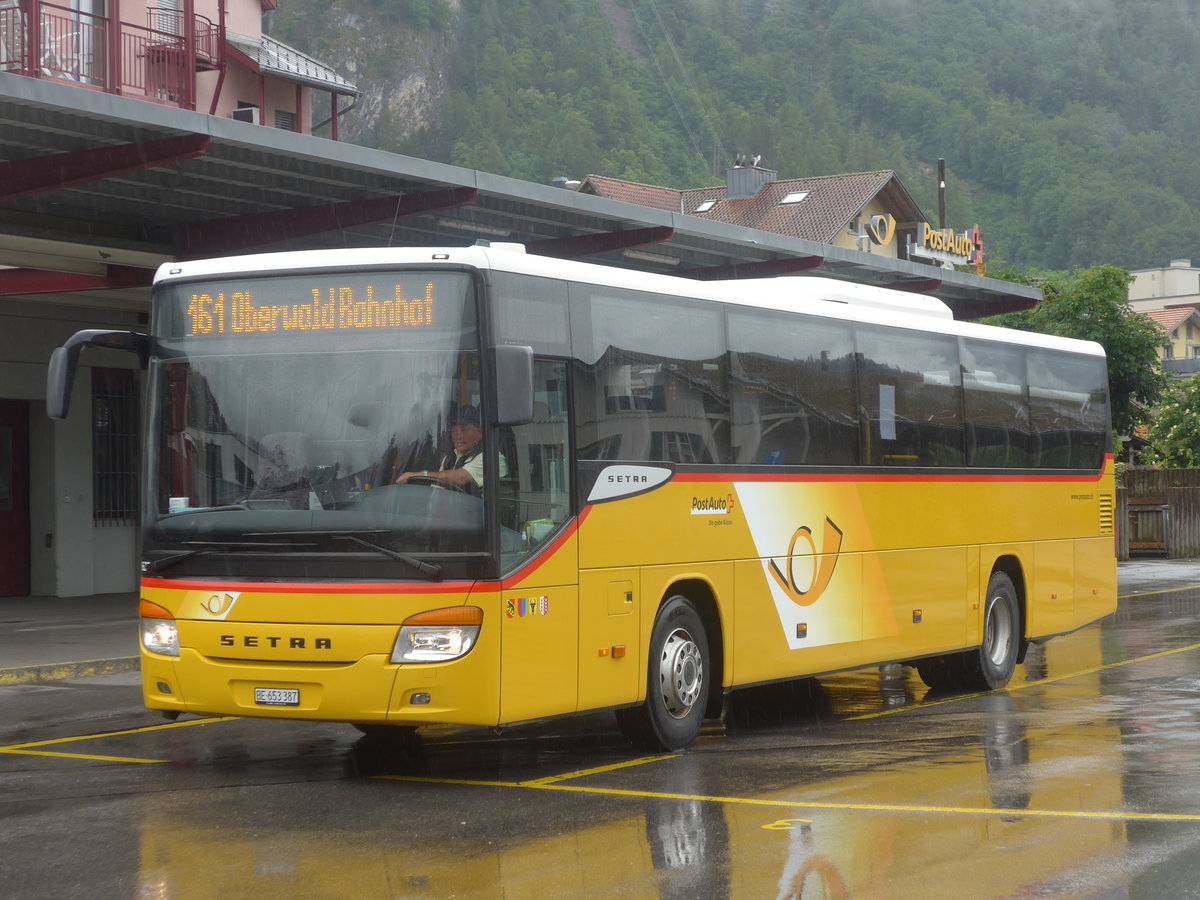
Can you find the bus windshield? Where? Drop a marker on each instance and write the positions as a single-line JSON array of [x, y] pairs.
[[283, 409]]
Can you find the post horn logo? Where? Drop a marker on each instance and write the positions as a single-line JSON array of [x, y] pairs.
[[823, 571], [882, 228], [218, 605]]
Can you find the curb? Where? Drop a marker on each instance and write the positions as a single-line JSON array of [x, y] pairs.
[[61, 671]]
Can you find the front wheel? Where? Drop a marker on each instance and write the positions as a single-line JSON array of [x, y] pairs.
[[677, 680]]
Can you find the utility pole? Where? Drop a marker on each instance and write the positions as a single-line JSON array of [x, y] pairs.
[[941, 193]]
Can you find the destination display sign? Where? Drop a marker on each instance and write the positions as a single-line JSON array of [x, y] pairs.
[[333, 308]]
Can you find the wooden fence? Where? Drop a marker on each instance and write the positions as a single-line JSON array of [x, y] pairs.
[[1158, 513]]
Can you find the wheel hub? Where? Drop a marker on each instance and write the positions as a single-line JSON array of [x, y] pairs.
[[998, 631], [681, 673]]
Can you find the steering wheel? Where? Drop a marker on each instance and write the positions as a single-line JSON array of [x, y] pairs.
[[437, 482]]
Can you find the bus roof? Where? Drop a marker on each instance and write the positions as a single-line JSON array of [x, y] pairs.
[[816, 295]]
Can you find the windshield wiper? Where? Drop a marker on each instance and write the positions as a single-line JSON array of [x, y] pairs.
[[150, 566], [430, 569], [192, 510]]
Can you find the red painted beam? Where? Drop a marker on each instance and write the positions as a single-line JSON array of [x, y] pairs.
[[767, 268], [219, 236], [38, 281], [606, 242], [50, 173]]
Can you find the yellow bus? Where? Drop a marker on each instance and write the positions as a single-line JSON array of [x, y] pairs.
[[678, 488]]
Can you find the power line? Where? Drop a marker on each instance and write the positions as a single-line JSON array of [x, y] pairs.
[[720, 155]]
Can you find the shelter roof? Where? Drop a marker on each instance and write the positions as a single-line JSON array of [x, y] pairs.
[[103, 188]]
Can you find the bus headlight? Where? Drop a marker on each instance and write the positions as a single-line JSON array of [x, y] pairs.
[[159, 632], [439, 635]]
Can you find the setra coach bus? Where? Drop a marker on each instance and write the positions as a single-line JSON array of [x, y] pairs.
[[676, 488]]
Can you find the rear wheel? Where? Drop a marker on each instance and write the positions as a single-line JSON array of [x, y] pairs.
[[677, 681], [990, 666]]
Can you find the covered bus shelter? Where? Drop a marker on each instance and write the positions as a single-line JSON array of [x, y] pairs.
[[96, 190]]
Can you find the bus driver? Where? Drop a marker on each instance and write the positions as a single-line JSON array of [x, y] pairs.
[[463, 467]]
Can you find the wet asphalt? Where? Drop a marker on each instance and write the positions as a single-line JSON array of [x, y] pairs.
[[1081, 779]]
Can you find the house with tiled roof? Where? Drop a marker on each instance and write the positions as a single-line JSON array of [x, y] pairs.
[[868, 211], [1181, 331]]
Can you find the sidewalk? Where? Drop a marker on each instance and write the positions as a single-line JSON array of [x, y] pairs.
[[49, 638]]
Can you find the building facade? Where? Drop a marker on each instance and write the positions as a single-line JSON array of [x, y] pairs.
[[1174, 285], [69, 490]]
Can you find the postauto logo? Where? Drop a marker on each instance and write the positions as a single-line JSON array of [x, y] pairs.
[[713, 506]]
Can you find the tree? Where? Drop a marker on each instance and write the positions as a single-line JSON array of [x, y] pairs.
[[1093, 304], [1174, 434]]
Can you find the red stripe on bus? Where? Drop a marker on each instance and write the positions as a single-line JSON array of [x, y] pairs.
[[275, 587], [542, 558]]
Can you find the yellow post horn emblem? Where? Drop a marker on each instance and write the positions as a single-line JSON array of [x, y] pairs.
[[831, 544], [882, 228]]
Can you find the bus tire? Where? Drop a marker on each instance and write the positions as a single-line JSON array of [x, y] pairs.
[[942, 673], [677, 681], [990, 667]]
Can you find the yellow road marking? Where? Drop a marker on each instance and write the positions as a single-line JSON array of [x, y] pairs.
[[26, 748], [126, 759], [599, 770], [1012, 688], [1110, 816], [1190, 587], [785, 824]]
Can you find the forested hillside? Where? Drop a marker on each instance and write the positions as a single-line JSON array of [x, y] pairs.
[[1069, 127]]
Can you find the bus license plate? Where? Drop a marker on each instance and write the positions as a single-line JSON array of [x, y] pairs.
[[277, 696]]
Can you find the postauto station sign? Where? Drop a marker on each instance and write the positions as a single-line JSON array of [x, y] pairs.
[[946, 245]]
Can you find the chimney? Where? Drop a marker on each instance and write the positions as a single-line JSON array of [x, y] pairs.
[[1181, 264], [746, 180]]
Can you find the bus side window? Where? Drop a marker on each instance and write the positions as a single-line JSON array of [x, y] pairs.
[[995, 405], [1068, 410], [791, 390], [651, 377], [910, 393], [535, 498]]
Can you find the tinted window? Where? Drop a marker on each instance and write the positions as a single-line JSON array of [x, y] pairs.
[[531, 311], [995, 405], [651, 379], [792, 390], [1068, 406], [910, 395]]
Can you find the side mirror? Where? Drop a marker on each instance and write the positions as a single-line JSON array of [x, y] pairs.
[[60, 378], [514, 384]]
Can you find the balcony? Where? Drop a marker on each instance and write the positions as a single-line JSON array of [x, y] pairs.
[[1182, 366], [157, 61]]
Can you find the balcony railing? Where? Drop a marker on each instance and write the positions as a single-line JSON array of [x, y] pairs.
[[157, 61]]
